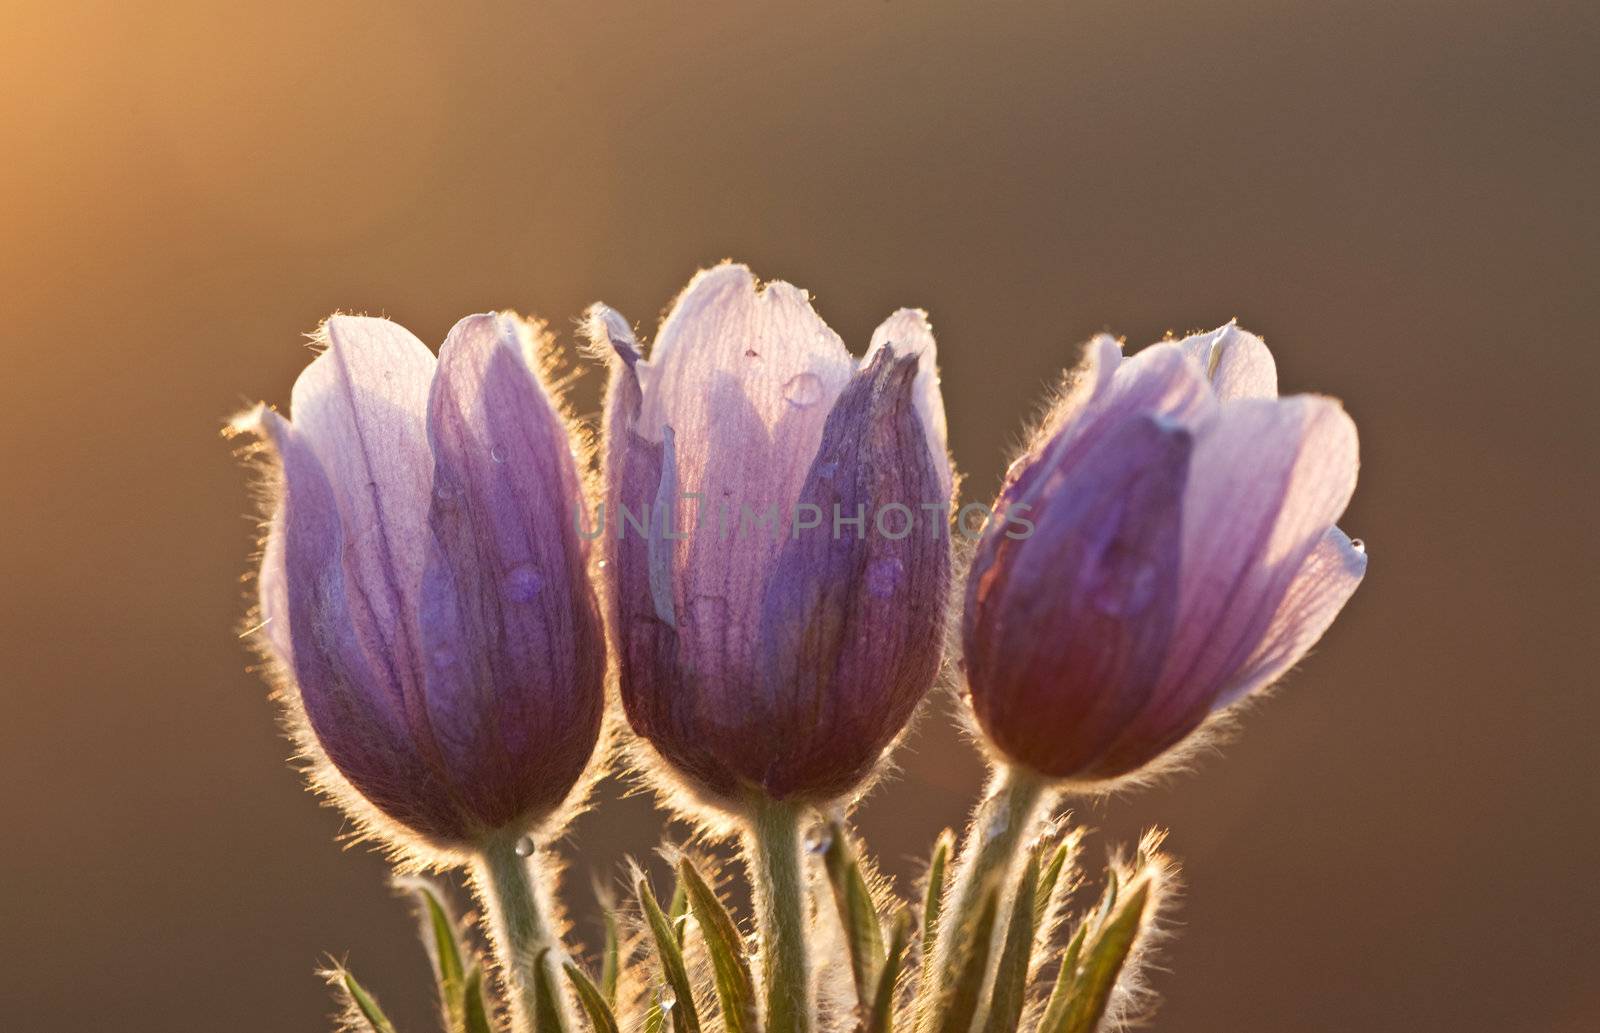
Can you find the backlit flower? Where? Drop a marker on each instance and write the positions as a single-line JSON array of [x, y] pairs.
[[778, 630], [1183, 554], [423, 585]]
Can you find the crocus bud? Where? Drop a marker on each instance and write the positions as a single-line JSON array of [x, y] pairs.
[[423, 586], [776, 536], [1172, 549]]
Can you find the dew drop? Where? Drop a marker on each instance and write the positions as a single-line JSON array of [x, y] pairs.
[[522, 583], [498, 454], [1358, 545], [443, 658], [883, 577], [525, 847], [819, 839], [827, 469], [1125, 592], [803, 389], [445, 490], [996, 827], [668, 1001], [603, 564]]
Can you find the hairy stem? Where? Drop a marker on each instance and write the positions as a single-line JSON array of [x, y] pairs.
[[777, 875], [1001, 827], [508, 889]]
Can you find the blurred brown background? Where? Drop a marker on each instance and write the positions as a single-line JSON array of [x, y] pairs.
[[1400, 196]]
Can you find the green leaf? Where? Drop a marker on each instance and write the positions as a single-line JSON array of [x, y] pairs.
[[1102, 961], [1048, 880], [858, 915], [474, 1009], [546, 1004], [678, 910], [1108, 900], [594, 1002], [685, 1018], [881, 1017], [735, 988], [366, 1004], [445, 952], [1055, 1008], [1011, 978], [611, 959], [958, 1000], [933, 901]]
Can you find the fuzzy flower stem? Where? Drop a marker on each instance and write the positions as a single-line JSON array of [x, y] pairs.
[[507, 887], [777, 874], [1001, 829]]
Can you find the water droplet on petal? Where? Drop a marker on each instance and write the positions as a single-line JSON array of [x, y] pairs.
[[819, 839], [668, 1001], [498, 454], [522, 583], [602, 564], [445, 490], [443, 658], [883, 576], [827, 469], [1125, 592], [996, 827], [1358, 545], [803, 389], [525, 847]]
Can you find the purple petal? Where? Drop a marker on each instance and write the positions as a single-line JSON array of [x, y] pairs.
[[1321, 587], [1159, 381], [351, 702], [1086, 386], [360, 407], [509, 622], [1237, 362], [910, 334], [847, 617], [746, 380], [1066, 629], [1267, 479], [657, 697]]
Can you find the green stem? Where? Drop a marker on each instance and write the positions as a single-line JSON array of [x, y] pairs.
[[507, 887], [778, 877], [1003, 823]]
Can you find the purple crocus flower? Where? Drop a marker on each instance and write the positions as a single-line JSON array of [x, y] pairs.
[[423, 587], [1183, 554], [777, 616]]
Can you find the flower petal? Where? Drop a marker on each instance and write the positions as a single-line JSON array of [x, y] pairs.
[[848, 614], [909, 332], [1237, 362], [1267, 480], [746, 380], [508, 619], [1324, 583], [360, 406], [1066, 628], [351, 699], [1159, 381], [658, 697]]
